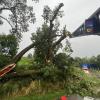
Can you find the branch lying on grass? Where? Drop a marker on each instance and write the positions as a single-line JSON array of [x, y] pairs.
[[21, 74]]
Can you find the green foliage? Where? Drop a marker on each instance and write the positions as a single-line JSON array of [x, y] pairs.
[[8, 45], [48, 96], [62, 60], [72, 81], [24, 64], [13, 86], [4, 60], [87, 60], [48, 14], [48, 38], [41, 38], [20, 15], [49, 73], [80, 83], [8, 48]]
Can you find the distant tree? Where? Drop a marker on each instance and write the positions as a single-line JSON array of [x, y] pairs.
[[77, 61], [93, 60], [29, 56], [98, 60]]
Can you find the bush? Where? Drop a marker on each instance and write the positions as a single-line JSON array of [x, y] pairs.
[[79, 83], [61, 60], [4, 60], [49, 73]]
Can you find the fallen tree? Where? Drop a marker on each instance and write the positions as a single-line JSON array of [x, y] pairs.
[[20, 54], [52, 34], [21, 74]]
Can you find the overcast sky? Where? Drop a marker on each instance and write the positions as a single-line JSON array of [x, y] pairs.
[[75, 12]]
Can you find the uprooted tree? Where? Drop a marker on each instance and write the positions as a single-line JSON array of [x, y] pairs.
[[47, 39], [21, 14]]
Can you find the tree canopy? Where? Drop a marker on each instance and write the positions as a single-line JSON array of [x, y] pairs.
[[48, 38], [20, 15]]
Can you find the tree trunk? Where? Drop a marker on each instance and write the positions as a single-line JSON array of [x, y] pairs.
[[49, 55], [19, 55], [21, 74]]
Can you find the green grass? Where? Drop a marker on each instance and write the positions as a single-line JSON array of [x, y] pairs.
[[48, 96], [24, 61], [24, 64]]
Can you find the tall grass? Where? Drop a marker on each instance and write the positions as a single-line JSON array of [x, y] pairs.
[[16, 87], [48, 96]]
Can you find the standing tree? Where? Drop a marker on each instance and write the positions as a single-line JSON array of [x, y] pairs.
[[52, 25], [49, 37], [20, 15], [50, 18]]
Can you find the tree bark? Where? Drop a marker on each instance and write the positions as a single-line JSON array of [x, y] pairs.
[[19, 55], [49, 55]]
